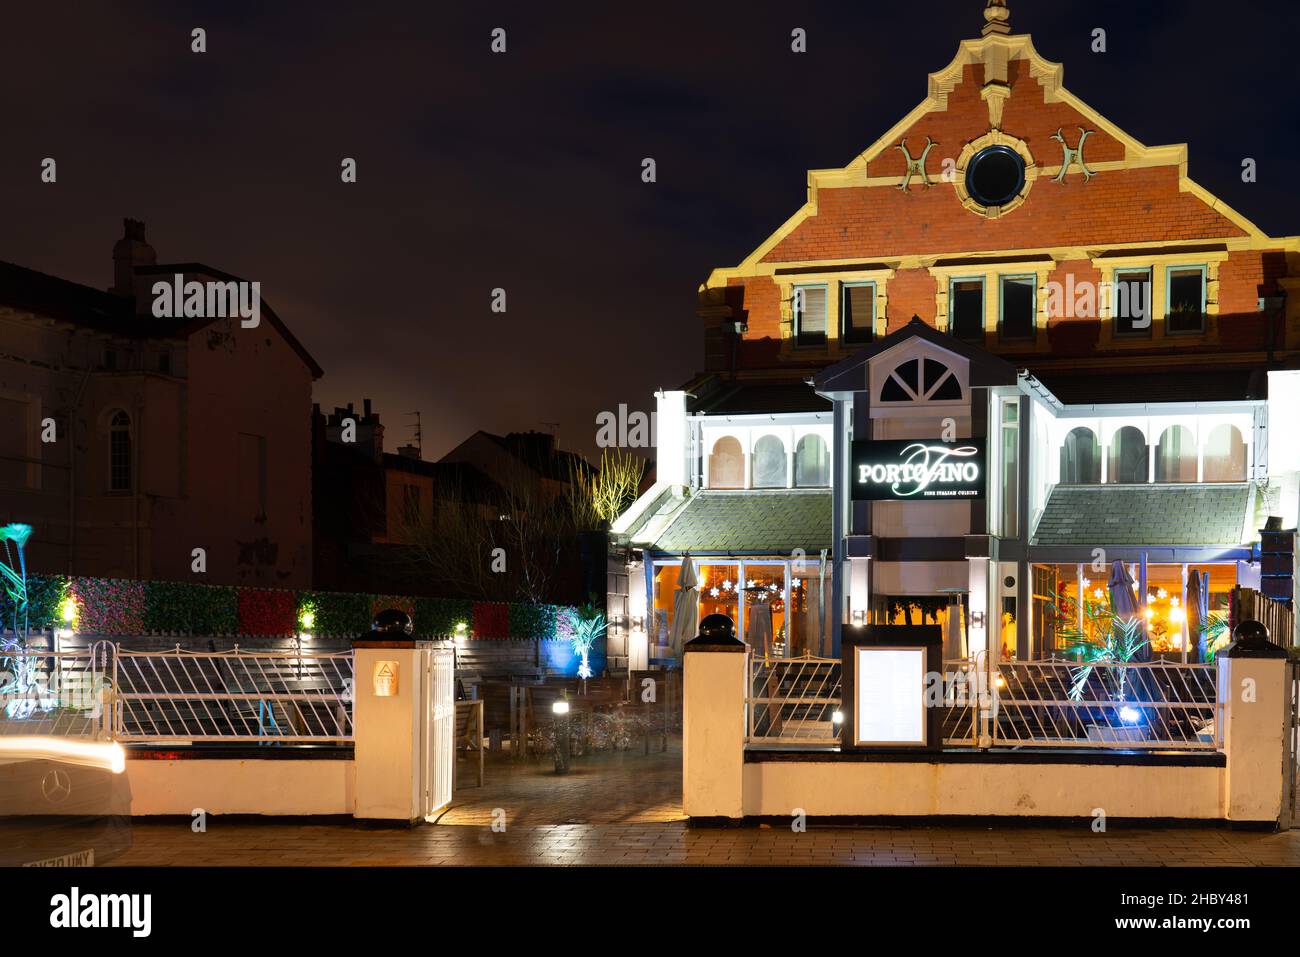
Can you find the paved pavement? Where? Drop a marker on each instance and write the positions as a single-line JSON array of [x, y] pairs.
[[625, 808]]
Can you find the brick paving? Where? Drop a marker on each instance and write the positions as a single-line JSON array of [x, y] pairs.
[[625, 808]]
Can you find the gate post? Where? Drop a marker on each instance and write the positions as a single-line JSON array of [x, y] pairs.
[[1254, 696], [403, 694], [713, 728]]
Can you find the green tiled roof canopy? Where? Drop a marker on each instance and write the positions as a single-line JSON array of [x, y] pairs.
[[751, 522], [1144, 515]]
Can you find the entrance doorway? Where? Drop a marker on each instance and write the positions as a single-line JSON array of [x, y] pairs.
[[949, 610]]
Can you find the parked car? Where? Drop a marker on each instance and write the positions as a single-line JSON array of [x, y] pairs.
[[59, 814]]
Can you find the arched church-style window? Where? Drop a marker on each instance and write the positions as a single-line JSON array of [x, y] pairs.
[[1176, 455], [727, 464], [812, 463], [1225, 455], [1081, 458], [1128, 457], [769, 462]]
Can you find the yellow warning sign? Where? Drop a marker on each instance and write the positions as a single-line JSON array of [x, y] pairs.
[[385, 679]]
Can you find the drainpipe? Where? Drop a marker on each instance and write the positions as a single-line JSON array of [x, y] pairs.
[[72, 469], [1274, 316]]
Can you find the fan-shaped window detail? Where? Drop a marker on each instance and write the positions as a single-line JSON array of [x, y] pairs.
[[921, 380], [727, 464], [769, 462], [1081, 458], [812, 463]]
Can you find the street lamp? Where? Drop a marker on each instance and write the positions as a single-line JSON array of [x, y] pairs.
[[561, 711]]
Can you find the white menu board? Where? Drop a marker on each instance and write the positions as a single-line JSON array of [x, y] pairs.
[[890, 687]]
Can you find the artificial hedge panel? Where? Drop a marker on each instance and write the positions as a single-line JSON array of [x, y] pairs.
[[438, 617], [109, 606], [531, 621], [184, 608], [339, 613], [267, 611], [120, 607], [491, 620]]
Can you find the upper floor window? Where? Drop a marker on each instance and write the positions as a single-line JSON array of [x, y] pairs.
[[812, 462], [1131, 305], [119, 452], [1185, 300], [1128, 457], [1081, 458], [1225, 455], [857, 312], [809, 309], [1176, 455], [966, 309], [727, 464], [769, 462], [1018, 303]]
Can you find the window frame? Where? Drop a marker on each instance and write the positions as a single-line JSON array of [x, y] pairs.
[[113, 431], [796, 316], [844, 295], [1002, 304], [952, 316], [1205, 295], [1149, 271]]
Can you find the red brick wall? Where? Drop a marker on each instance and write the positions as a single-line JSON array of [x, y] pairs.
[[1142, 205]]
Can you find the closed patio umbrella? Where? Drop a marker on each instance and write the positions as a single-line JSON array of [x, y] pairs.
[[686, 606], [1124, 602], [1198, 614], [823, 638]]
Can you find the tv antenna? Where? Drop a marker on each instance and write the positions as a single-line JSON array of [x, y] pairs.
[[419, 435]]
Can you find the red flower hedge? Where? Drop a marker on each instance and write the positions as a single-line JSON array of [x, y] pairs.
[[265, 611], [491, 619]]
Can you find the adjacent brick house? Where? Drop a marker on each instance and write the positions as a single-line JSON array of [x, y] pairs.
[[128, 440]]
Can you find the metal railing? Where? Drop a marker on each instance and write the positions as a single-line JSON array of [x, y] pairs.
[[1018, 704], [232, 696], [56, 693], [1148, 705], [793, 700]]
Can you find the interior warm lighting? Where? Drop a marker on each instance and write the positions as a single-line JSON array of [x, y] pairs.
[[108, 755]]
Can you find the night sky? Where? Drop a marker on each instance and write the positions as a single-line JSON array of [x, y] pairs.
[[522, 170]]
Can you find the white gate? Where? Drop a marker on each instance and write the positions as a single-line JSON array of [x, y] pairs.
[[438, 748]]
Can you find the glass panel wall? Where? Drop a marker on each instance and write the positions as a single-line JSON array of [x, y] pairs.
[[810, 610], [765, 613]]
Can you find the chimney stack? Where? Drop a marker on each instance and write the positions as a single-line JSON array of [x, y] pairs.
[[128, 252]]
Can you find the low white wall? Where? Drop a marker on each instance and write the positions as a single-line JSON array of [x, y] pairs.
[[235, 786], [869, 789]]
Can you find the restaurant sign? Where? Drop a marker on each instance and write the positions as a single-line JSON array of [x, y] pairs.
[[917, 469]]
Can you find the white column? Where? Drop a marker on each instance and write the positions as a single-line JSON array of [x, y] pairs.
[[388, 691], [713, 731], [1255, 695]]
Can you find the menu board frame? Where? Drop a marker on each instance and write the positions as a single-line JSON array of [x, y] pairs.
[[926, 640]]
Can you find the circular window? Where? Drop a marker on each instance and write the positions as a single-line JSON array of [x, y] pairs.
[[995, 176]]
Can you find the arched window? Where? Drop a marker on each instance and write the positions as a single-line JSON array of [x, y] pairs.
[[1176, 455], [1081, 458], [1225, 455], [119, 452], [1128, 457], [812, 463], [769, 462], [727, 464]]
